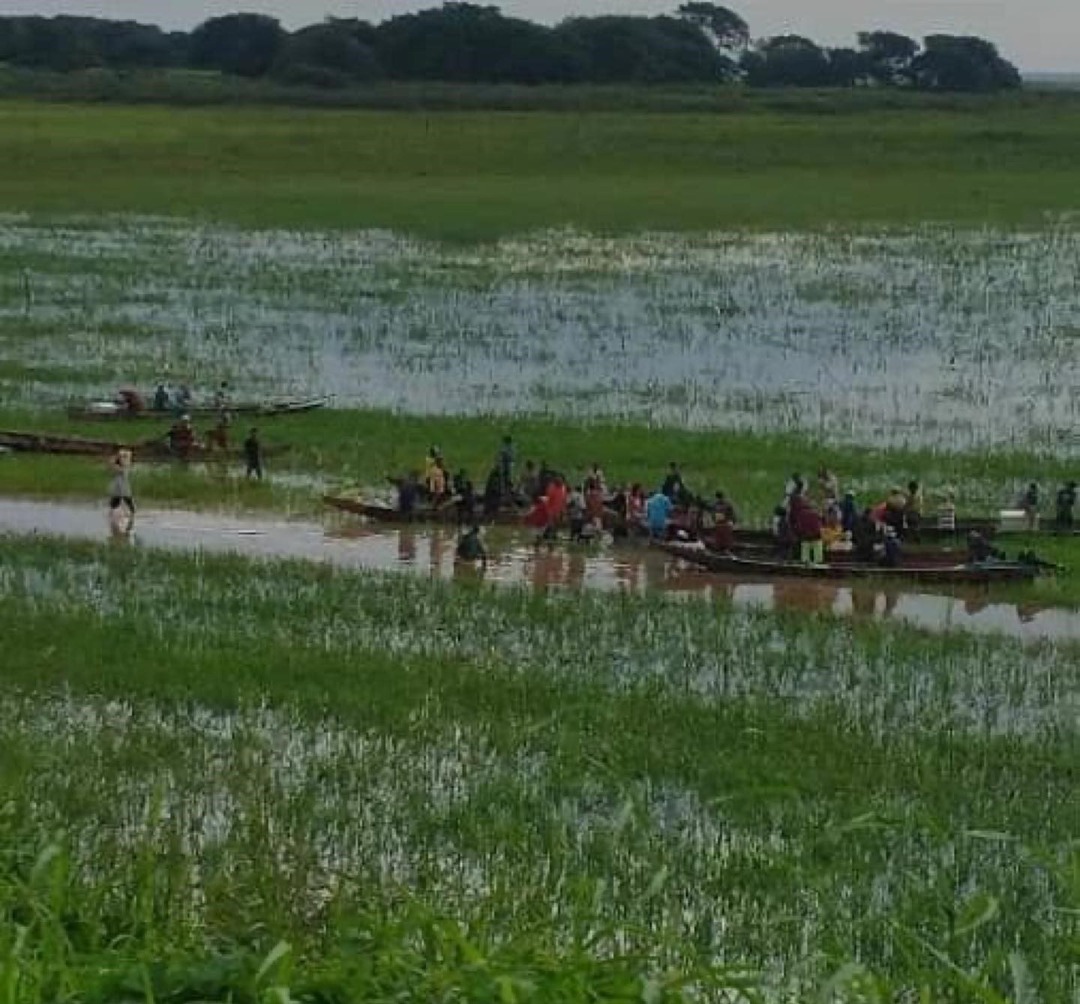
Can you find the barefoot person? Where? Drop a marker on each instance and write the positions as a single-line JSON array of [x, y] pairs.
[[120, 486]]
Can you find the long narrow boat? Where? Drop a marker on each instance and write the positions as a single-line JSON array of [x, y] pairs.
[[987, 527], [112, 411], [959, 574], [81, 446], [381, 513]]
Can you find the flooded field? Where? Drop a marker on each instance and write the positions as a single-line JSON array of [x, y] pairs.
[[514, 561], [956, 339]]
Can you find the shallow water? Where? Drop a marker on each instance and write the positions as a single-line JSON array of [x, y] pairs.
[[957, 339], [513, 561]]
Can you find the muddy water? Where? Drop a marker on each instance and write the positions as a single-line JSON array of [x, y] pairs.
[[513, 561]]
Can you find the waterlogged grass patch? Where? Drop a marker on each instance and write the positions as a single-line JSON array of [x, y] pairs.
[[929, 337], [664, 787]]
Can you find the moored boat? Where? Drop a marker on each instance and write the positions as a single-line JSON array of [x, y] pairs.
[[943, 574], [382, 513], [103, 411], [81, 446]]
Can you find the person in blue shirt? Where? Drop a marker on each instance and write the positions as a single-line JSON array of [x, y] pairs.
[[657, 513]]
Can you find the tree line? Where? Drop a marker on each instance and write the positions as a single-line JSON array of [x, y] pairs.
[[469, 43]]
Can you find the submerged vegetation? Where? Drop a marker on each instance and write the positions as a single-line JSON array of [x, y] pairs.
[[411, 784]]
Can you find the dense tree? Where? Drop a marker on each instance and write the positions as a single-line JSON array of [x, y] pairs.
[[724, 28], [787, 61], [962, 63], [468, 42], [244, 44], [623, 49], [888, 56], [332, 54], [847, 67]]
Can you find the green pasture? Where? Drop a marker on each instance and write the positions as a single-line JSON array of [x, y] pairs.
[[225, 782], [468, 175]]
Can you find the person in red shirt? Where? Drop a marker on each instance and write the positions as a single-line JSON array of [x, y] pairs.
[[807, 525]]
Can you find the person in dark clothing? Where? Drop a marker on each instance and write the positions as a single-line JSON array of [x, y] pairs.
[[253, 455], [620, 506], [864, 536], [470, 547], [493, 491], [673, 486], [722, 507], [893, 550], [465, 495], [849, 513], [506, 467], [1065, 502], [978, 548], [408, 493]]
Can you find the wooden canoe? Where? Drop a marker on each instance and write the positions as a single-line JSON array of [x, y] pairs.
[[381, 513], [958, 574], [81, 446], [111, 411]]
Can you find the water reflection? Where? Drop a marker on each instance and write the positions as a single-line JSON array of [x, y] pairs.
[[514, 561]]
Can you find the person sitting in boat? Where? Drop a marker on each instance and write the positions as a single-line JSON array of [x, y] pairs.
[[182, 438], [557, 494], [832, 532], [620, 509], [528, 488], [979, 549], [408, 493], [828, 486], [537, 519], [218, 436], [594, 504], [946, 514], [892, 549], [723, 535], [849, 512], [807, 525], [895, 506], [575, 514], [1029, 502], [182, 401], [658, 512], [864, 536], [470, 547], [161, 398], [1065, 503], [465, 497], [722, 508], [913, 508], [131, 401]]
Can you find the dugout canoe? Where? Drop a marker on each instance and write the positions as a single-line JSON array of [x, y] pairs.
[[960, 574], [81, 446], [448, 514], [110, 411]]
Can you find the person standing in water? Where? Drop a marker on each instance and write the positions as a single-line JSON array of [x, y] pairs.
[[120, 486]]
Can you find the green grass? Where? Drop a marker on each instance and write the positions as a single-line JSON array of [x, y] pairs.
[[469, 175], [419, 788]]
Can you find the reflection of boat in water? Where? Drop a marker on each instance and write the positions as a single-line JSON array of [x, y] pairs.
[[731, 564]]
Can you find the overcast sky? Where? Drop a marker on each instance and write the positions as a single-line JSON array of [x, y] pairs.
[[1041, 35]]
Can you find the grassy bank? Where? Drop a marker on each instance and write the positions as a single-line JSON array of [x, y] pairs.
[[478, 174], [359, 448], [342, 763]]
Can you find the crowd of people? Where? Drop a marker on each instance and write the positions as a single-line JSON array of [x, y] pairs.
[[812, 519]]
